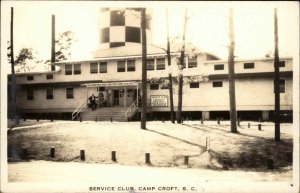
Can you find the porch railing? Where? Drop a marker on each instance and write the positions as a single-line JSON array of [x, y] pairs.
[[79, 109], [133, 107]]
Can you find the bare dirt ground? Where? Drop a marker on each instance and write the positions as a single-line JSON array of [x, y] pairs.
[[167, 143]]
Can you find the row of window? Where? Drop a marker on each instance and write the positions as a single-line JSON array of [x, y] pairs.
[[192, 85], [48, 76], [248, 65], [70, 91], [49, 93], [129, 66], [214, 84]]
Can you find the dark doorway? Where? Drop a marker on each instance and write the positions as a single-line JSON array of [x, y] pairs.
[[116, 97]]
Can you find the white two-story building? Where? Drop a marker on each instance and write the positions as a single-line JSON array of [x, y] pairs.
[[115, 72]]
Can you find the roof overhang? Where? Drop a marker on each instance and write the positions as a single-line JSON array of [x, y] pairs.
[[111, 84]]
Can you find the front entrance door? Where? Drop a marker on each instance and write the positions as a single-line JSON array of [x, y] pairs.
[[116, 98]]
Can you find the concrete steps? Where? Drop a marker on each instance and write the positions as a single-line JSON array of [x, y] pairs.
[[105, 114]]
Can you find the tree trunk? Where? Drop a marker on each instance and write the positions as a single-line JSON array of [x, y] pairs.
[[144, 69], [231, 75], [53, 44], [276, 80], [180, 82], [13, 77], [170, 74]]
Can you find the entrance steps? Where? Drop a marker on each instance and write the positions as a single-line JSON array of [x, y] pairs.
[[105, 114]]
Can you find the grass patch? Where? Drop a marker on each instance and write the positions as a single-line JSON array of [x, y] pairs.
[[167, 144]]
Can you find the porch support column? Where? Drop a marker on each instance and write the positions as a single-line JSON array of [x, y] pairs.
[[87, 95], [137, 94], [125, 96]]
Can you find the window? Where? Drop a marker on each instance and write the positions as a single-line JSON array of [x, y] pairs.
[[194, 85], [68, 69], [150, 64], [49, 76], [130, 65], [117, 18], [69, 93], [281, 86], [121, 66], [29, 78], [29, 94], [218, 84], [281, 63], [49, 93], [93, 68], [77, 68], [132, 34], [248, 65], [100, 89], [219, 67], [154, 86], [103, 67], [160, 64], [192, 62]]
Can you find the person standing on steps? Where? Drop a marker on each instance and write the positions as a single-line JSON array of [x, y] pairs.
[[93, 101]]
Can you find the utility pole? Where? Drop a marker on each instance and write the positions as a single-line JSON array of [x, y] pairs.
[[231, 74], [144, 69], [170, 74], [180, 82], [53, 44], [13, 77], [276, 80]]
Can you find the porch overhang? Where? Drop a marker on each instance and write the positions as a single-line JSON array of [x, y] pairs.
[[111, 84]]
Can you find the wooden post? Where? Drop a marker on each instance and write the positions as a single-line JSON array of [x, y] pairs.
[[170, 74], [270, 165], [248, 125], [276, 79], [289, 156], [144, 69], [12, 61], [80, 118], [218, 121], [53, 44], [259, 127], [225, 163], [186, 160], [147, 158], [239, 121], [162, 120], [111, 119], [52, 152], [113, 156], [24, 153], [231, 76], [96, 119], [207, 143], [202, 120], [82, 155]]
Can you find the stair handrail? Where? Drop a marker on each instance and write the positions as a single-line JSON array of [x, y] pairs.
[[79, 109], [132, 107]]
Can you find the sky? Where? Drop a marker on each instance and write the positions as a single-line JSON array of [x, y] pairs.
[[207, 27]]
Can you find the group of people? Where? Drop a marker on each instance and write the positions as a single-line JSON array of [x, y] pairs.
[[103, 100]]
